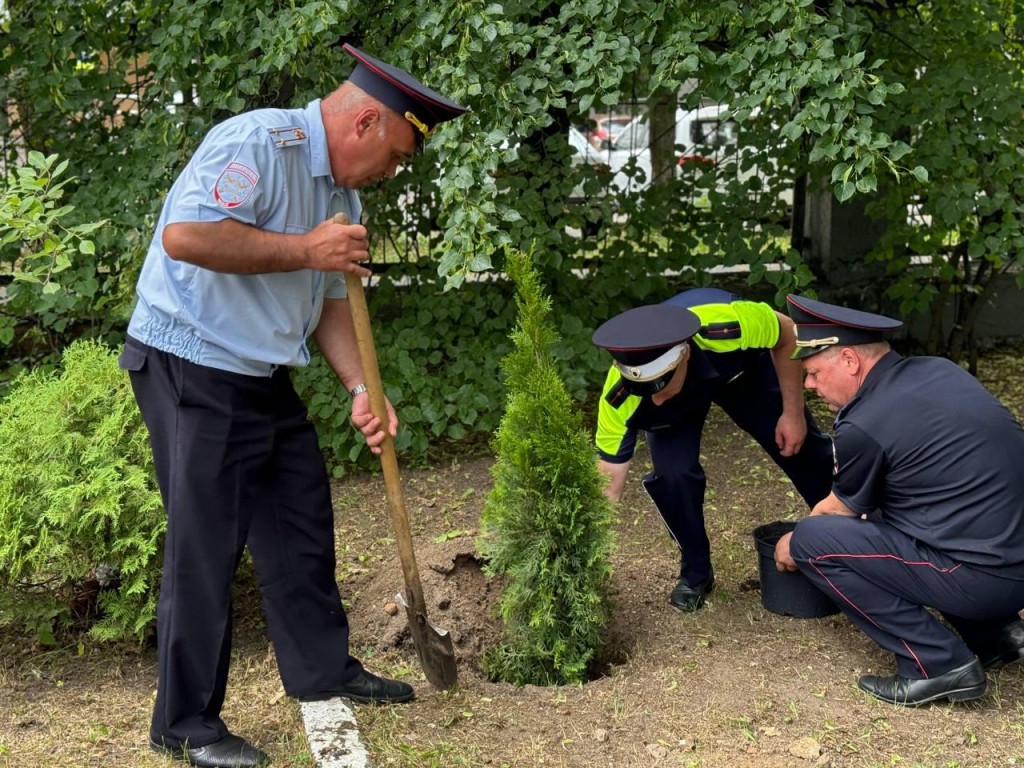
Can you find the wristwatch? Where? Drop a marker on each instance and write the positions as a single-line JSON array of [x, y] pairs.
[[358, 389]]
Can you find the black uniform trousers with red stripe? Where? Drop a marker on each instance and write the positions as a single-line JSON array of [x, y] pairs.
[[238, 465], [885, 581], [678, 483]]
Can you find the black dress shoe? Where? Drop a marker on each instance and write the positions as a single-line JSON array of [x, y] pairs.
[[1005, 648], [960, 684], [687, 598], [368, 688], [229, 752]]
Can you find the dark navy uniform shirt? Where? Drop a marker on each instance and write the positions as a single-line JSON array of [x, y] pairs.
[[927, 448]]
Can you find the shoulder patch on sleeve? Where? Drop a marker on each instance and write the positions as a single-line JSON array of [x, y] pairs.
[[235, 185], [721, 331], [616, 395], [286, 137]]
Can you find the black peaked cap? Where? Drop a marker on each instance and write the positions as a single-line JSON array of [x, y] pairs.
[[820, 325], [402, 93], [640, 335]]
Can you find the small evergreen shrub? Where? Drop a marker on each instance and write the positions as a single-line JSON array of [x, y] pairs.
[[546, 525], [79, 504]]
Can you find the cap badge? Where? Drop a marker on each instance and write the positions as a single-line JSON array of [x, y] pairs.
[[828, 341], [419, 125]]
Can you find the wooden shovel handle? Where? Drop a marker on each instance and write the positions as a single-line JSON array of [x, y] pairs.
[[388, 458]]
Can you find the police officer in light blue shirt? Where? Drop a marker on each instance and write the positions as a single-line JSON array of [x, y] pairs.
[[268, 169], [245, 265]]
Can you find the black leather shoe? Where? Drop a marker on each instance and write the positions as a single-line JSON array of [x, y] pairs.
[[1005, 648], [960, 684], [229, 752], [368, 688], [687, 598]]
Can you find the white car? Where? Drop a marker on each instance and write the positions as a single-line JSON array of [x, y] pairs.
[[701, 136], [704, 137]]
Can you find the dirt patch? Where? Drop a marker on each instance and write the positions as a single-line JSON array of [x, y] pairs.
[[732, 685], [460, 600]]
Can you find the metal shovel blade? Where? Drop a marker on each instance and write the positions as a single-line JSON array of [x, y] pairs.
[[433, 646]]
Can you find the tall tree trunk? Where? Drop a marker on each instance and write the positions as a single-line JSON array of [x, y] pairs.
[[936, 309], [970, 307], [662, 117]]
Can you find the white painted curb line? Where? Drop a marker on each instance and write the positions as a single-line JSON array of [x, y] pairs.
[[333, 735]]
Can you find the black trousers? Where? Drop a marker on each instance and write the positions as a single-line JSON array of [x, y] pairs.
[[884, 581], [678, 483], [238, 464]]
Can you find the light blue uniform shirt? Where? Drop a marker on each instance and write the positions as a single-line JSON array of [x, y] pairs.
[[268, 168]]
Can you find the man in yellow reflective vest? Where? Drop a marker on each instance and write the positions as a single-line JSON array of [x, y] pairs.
[[671, 361]]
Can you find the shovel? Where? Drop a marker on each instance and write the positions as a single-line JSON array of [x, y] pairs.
[[433, 644]]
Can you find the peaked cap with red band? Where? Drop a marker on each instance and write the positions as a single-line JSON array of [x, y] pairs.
[[820, 325], [641, 339], [402, 93]]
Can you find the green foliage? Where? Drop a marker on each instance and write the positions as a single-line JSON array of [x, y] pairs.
[[70, 81], [54, 277], [957, 225], [795, 76], [439, 358], [527, 70], [546, 523], [77, 491], [125, 93]]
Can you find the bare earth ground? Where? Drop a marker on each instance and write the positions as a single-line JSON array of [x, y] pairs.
[[732, 685]]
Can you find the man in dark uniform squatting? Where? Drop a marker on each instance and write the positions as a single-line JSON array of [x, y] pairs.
[[246, 264], [671, 362], [926, 509]]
